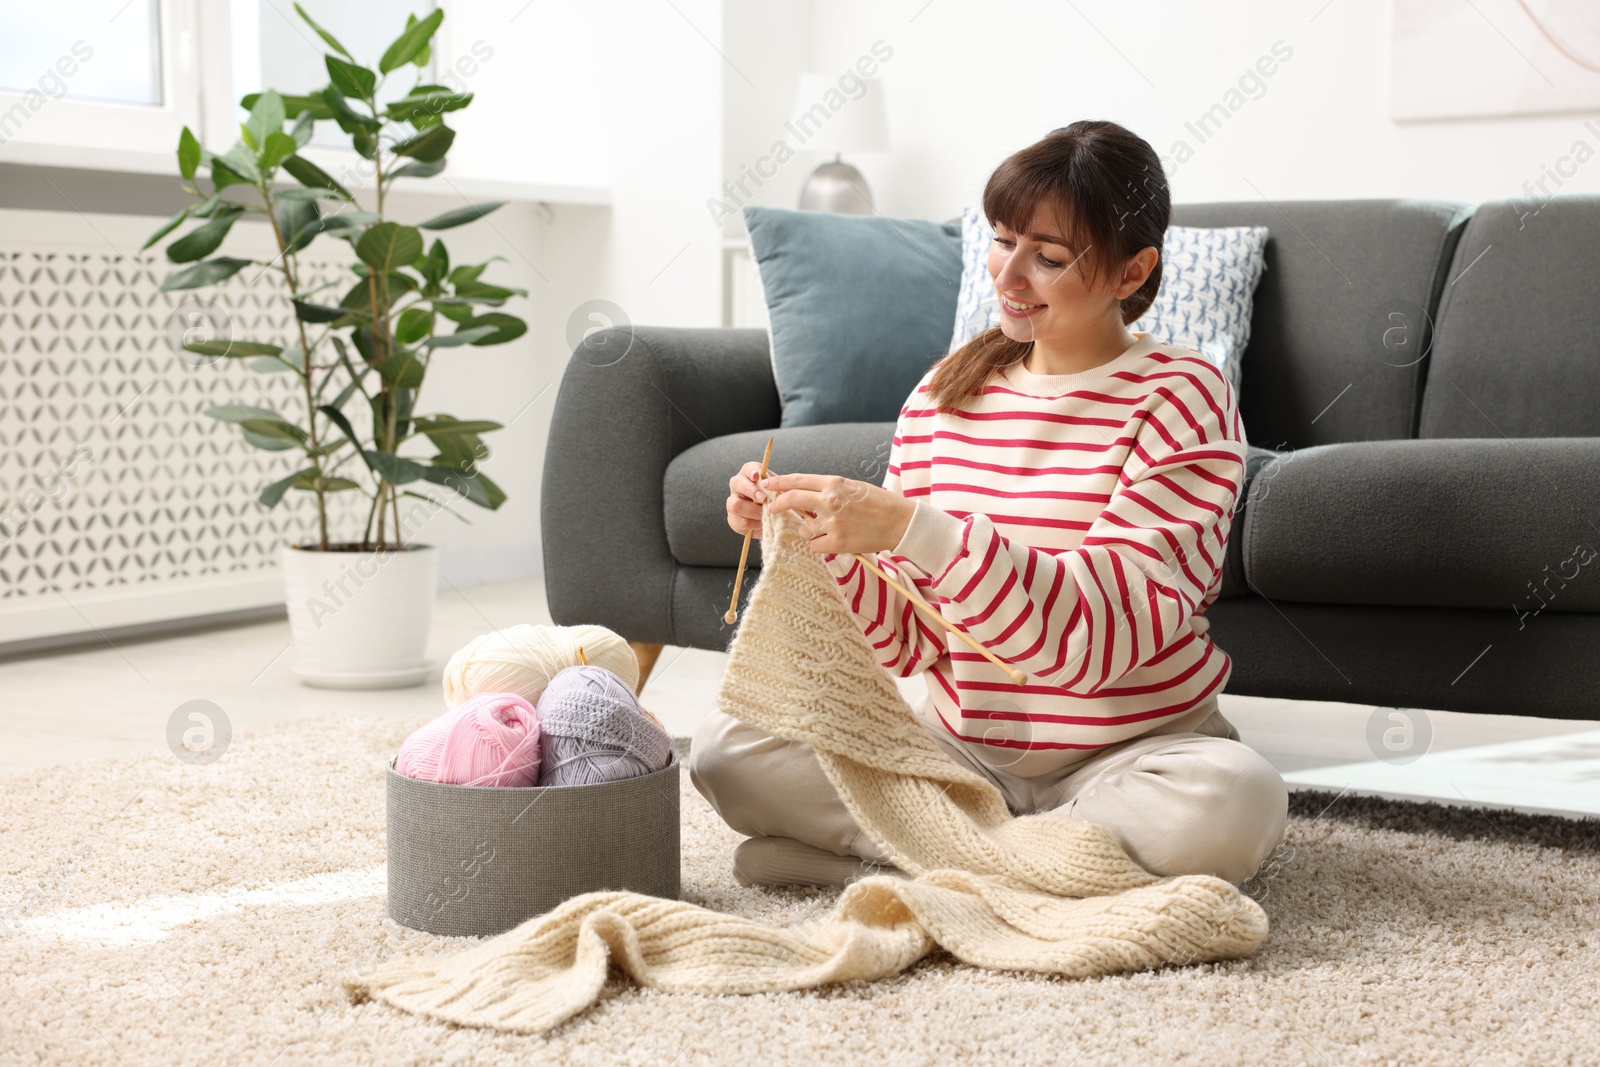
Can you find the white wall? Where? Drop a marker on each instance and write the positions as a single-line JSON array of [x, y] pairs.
[[973, 81], [618, 92]]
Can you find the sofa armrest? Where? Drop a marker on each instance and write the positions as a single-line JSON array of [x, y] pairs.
[[631, 399]]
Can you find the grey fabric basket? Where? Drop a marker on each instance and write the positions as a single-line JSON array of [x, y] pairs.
[[474, 860]]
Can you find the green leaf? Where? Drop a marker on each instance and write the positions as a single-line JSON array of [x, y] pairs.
[[275, 427], [223, 175], [457, 312], [234, 348], [303, 128], [429, 146], [349, 220], [411, 42], [203, 240], [278, 147], [506, 327], [448, 425], [365, 144], [348, 118], [427, 106], [317, 313], [298, 222], [484, 293], [266, 116], [402, 369], [351, 79], [462, 336], [188, 154], [305, 194], [241, 412], [167, 227], [209, 206], [207, 272], [475, 487], [389, 245], [293, 106], [470, 213], [269, 365], [416, 170], [274, 492], [267, 442], [415, 324], [466, 274], [324, 34], [312, 176], [435, 265], [339, 419], [242, 162], [396, 470]]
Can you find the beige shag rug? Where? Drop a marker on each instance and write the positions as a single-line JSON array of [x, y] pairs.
[[155, 912]]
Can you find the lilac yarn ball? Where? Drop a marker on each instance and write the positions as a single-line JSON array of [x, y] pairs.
[[593, 730]]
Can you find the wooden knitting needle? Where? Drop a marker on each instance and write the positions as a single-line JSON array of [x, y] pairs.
[[738, 580], [1017, 676]]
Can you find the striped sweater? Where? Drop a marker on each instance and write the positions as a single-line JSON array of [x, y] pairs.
[[1074, 525]]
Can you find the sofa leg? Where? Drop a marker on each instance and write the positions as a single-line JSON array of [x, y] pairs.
[[647, 655]]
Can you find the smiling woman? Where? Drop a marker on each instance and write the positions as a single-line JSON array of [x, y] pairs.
[[1060, 491]]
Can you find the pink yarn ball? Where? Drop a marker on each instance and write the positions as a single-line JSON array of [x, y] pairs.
[[488, 739]]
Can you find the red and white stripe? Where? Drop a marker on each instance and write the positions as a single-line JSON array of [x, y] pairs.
[[1078, 537]]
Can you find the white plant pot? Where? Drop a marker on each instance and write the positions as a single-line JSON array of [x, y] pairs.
[[360, 620]]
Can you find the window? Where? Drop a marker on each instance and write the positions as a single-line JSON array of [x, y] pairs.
[[273, 46], [117, 75]]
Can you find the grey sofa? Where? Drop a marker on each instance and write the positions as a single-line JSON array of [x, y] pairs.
[[1422, 518]]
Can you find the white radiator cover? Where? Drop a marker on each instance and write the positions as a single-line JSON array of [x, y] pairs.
[[121, 502]]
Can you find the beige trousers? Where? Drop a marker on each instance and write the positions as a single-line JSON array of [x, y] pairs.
[[1183, 803]]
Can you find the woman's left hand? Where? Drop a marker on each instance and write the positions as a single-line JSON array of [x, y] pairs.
[[850, 515]]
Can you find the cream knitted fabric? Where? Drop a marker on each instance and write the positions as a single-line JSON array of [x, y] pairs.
[[1032, 893]]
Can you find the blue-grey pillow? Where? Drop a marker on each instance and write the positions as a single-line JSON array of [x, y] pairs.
[[859, 307]]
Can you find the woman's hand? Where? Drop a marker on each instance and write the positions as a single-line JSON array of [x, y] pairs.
[[744, 510], [845, 515], [848, 515]]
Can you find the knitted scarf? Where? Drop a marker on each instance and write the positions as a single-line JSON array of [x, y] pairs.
[[1037, 892]]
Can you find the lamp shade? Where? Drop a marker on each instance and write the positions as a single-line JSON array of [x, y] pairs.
[[832, 118]]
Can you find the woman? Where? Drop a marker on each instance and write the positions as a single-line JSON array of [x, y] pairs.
[[1061, 490]]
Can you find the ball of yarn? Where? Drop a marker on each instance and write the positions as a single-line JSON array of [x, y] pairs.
[[489, 739], [594, 731], [522, 659]]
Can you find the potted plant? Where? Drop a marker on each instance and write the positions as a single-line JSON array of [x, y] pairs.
[[360, 609]]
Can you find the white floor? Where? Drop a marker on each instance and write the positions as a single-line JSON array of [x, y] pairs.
[[115, 698]]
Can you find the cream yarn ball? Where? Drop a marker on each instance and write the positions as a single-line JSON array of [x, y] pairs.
[[522, 659]]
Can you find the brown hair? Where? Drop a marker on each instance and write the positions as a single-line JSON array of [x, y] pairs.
[[1106, 185]]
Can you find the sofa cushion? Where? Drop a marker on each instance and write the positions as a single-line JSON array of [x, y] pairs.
[[1516, 349], [859, 308], [1465, 523], [1338, 311], [696, 482]]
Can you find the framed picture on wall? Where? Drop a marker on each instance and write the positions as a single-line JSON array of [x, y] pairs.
[[1493, 57]]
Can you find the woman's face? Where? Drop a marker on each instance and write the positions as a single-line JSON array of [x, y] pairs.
[[1043, 297]]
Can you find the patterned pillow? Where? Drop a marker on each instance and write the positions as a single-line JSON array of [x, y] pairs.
[[1208, 284]]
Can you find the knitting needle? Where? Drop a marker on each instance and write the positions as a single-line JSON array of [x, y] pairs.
[[1017, 676], [738, 580]]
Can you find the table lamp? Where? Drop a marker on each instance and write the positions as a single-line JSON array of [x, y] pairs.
[[857, 124]]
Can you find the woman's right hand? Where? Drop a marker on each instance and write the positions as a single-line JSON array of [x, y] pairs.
[[745, 500]]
